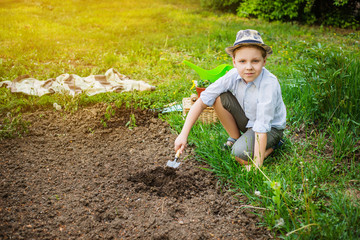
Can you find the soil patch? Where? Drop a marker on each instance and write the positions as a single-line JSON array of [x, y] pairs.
[[72, 178], [166, 183]]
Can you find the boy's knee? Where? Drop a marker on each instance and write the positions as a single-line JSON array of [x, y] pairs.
[[244, 146], [241, 152]]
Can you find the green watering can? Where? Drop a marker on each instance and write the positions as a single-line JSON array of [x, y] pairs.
[[211, 75]]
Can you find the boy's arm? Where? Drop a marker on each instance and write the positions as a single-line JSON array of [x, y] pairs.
[[191, 118], [259, 148]]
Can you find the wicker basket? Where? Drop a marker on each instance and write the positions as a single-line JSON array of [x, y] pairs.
[[207, 116]]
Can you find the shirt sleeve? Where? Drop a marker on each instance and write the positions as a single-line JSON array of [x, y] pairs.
[[267, 99], [223, 84]]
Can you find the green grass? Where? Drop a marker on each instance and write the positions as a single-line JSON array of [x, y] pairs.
[[309, 188]]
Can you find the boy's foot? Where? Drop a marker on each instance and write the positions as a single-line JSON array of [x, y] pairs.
[[229, 143], [280, 143]]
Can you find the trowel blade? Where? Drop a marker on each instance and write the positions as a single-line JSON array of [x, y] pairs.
[[173, 164]]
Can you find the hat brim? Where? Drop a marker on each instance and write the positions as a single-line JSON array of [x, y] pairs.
[[230, 50]]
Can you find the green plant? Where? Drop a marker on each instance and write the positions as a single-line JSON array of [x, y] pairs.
[[326, 86], [336, 13], [270, 10], [344, 139], [341, 218], [203, 83], [224, 5], [91, 131], [13, 126], [131, 124], [110, 112]]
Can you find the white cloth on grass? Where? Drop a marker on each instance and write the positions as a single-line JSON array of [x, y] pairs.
[[72, 84]]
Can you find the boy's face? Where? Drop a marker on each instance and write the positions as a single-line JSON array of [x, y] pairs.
[[249, 63]]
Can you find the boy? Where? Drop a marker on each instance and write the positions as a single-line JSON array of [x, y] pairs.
[[247, 101]]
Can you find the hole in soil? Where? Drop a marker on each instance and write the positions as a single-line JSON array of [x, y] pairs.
[[166, 182]]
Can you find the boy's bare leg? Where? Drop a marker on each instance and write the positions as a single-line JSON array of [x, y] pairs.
[[226, 119], [268, 152]]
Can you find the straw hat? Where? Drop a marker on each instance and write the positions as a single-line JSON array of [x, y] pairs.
[[248, 37]]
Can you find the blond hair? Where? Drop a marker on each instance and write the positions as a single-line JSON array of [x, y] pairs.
[[263, 52]]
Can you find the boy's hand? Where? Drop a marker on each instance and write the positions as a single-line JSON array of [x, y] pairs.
[[180, 143]]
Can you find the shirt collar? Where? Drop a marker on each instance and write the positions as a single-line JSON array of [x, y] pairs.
[[258, 79]]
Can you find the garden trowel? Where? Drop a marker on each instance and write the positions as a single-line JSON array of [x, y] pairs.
[[174, 164]]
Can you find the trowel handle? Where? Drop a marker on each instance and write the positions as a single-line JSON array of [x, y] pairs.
[[177, 154]]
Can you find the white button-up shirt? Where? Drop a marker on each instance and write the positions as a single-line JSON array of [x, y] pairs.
[[260, 99]]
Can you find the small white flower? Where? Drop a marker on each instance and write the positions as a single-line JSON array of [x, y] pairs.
[[57, 106], [247, 153], [278, 223], [257, 193]]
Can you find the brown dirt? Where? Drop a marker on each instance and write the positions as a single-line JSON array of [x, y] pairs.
[[71, 178]]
